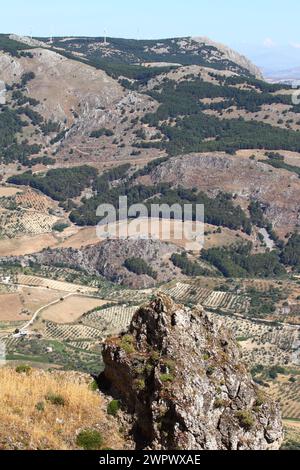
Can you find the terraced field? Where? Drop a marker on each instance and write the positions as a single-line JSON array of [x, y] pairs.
[[14, 223], [213, 300], [70, 332], [132, 296], [111, 320], [264, 343], [289, 396], [55, 285], [31, 199]]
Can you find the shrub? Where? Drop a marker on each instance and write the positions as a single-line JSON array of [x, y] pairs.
[[155, 356], [166, 378], [94, 386], [140, 384], [219, 403], [101, 132], [127, 344], [89, 439], [40, 406], [113, 407], [23, 369], [60, 226], [56, 400], [246, 419]]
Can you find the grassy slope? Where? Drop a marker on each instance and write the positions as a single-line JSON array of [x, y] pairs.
[[23, 426]]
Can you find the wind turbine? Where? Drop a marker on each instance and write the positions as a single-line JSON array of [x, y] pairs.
[[105, 38]]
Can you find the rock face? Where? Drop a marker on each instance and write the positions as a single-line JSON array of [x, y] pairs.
[[181, 378], [107, 259]]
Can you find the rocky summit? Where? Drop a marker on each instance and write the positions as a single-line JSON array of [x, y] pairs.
[[180, 377]]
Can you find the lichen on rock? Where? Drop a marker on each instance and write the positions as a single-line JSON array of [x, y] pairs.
[[181, 377]]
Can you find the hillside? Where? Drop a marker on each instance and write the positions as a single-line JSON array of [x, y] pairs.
[[108, 259], [182, 121], [184, 51], [53, 411]]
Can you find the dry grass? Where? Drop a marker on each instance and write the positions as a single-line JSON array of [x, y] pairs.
[[24, 425]]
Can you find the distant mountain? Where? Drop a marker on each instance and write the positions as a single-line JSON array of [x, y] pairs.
[[179, 51], [287, 76], [275, 61]]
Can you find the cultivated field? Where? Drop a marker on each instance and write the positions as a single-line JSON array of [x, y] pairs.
[[209, 299], [264, 343], [14, 223], [111, 320], [55, 285], [71, 309], [70, 332], [289, 396]]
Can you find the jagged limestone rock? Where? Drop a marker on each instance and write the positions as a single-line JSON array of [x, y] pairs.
[[182, 379]]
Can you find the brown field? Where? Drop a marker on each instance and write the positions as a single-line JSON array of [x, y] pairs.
[[27, 300], [35, 298], [7, 191], [26, 245], [71, 309], [10, 307], [84, 237]]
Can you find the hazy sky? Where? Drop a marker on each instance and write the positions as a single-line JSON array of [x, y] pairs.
[[229, 21], [265, 30]]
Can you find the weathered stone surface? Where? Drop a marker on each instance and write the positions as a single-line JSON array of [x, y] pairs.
[[181, 377], [107, 259]]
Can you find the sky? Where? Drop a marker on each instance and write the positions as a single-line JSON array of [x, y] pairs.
[[259, 28]]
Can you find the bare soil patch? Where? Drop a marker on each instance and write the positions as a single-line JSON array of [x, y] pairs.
[[11, 307], [26, 245], [71, 309]]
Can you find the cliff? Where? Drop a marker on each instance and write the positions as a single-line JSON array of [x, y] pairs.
[[181, 378]]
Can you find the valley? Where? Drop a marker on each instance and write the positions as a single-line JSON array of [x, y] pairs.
[[181, 122]]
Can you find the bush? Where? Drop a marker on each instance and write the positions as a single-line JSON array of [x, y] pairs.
[[140, 384], [94, 386], [89, 439], [246, 419], [40, 406], [219, 403], [113, 407], [166, 378], [23, 369], [101, 132], [60, 227], [127, 344], [56, 400]]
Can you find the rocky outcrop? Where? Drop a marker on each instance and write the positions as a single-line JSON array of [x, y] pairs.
[[107, 259], [181, 378], [224, 52]]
